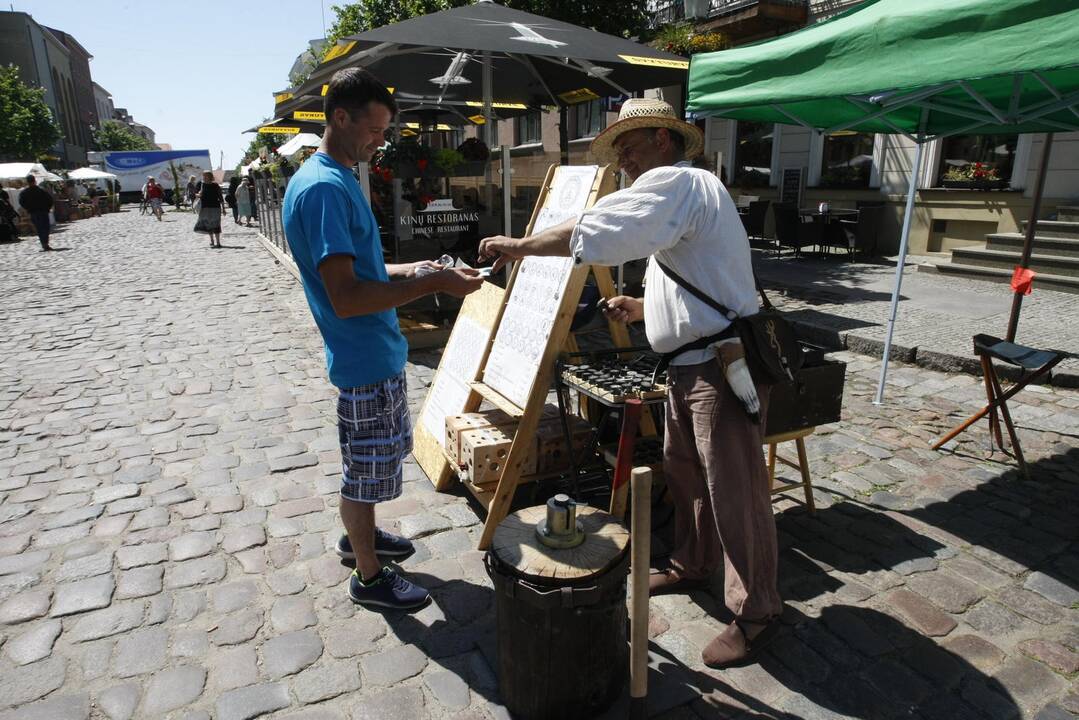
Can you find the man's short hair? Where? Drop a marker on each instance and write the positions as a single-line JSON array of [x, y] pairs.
[[31, 179], [352, 89], [678, 140]]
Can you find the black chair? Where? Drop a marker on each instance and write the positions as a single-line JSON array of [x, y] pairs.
[[753, 221], [866, 229], [791, 232]]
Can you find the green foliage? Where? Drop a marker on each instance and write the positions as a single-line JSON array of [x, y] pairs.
[[683, 39], [263, 140], [447, 160], [114, 135], [624, 18], [27, 127]]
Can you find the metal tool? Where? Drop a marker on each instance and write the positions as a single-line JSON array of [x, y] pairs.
[[560, 528]]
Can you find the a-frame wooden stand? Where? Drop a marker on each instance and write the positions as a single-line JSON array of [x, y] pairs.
[[498, 501]]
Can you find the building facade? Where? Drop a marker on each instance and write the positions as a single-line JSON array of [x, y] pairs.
[[44, 61], [102, 104], [82, 86]]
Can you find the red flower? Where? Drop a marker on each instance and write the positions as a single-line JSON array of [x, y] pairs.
[[422, 164]]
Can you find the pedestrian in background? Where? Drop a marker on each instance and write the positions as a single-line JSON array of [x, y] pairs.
[[230, 198], [8, 218], [211, 201], [243, 201], [154, 194], [252, 195], [38, 203], [192, 191]]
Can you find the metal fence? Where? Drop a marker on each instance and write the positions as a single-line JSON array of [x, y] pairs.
[[269, 210], [672, 11]]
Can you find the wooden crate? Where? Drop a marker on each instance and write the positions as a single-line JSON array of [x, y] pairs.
[[551, 443], [484, 452], [457, 424]]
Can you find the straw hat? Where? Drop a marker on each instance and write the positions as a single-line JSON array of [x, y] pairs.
[[646, 113]]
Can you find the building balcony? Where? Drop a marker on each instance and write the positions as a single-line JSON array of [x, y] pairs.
[[740, 20]]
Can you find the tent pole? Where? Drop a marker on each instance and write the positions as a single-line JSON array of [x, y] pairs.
[[1028, 240], [903, 238]]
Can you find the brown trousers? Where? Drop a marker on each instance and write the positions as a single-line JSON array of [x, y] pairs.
[[714, 466]]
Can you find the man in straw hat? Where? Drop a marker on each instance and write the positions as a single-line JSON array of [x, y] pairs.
[[684, 218]]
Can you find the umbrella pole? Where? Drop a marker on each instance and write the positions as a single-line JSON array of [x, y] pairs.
[[1028, 239], [488, 131], [903, 238]]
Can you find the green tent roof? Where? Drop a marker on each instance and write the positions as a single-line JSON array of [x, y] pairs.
[[928, 67]]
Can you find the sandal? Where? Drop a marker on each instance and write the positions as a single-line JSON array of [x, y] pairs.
[[740, 642], [671, 581]]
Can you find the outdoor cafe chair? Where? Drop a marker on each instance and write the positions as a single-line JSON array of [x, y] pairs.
[[1034, 364], [865, 230], [791, 232], [753, 221]]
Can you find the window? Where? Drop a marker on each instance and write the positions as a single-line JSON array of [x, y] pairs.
[[753, 154], [526, 129], [959, 152], [587, 119], [846, 160]]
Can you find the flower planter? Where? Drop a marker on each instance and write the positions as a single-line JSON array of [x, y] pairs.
[[974, 184]]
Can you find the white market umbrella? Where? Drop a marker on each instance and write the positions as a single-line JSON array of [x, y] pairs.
[[90, 174], [298, 143], [19, 171]]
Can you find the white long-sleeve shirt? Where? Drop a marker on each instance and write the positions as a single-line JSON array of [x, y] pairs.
[[684, 217]]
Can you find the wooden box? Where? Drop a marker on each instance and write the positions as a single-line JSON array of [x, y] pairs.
[[456, 424], [484, 452], [814, 398], [551, 453]]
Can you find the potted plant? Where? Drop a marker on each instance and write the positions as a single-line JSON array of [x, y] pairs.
[[683, 39]]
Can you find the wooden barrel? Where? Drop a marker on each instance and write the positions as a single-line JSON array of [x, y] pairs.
[[562, 648]]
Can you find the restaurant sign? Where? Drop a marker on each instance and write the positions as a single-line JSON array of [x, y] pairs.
[[440, 217]]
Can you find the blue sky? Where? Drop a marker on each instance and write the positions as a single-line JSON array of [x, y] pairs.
[[196, 71]]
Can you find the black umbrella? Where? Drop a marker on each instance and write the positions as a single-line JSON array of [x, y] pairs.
[[533, 60]]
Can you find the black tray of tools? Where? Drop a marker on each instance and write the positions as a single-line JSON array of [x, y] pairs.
[[612, 376]]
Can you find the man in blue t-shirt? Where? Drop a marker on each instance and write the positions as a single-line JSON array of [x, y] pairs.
[[353, 294]]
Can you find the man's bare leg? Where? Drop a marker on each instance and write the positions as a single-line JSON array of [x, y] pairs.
[[359, 521]]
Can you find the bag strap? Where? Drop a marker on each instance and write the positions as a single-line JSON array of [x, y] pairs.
[[696, 292], [703, 297]]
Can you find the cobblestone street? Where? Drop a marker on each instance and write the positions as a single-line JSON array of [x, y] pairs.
[[168, 506]]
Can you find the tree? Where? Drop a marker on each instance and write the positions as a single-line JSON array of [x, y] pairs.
[[27, 127], [114, 135], [624, 18]]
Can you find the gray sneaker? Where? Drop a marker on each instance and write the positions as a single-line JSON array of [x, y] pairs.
[[386, 544], [388, 590]]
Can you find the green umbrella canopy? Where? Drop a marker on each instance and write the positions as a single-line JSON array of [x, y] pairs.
[[918, 67]]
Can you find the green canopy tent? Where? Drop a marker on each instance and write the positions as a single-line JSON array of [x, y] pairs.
[[919, 68]]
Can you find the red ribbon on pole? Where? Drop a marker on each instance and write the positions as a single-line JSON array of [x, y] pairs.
[[1022, 280]]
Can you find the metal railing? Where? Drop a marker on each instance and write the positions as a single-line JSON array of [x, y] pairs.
[[269, 210], [672, 11]]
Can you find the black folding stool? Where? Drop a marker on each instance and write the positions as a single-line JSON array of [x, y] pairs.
[[1034, 362]]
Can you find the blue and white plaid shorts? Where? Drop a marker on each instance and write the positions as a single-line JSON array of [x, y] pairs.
[[375, 434]]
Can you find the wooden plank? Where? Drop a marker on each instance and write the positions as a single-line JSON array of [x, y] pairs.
[[497, 399], [477, 317]]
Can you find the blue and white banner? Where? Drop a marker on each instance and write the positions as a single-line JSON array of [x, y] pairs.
[[135, 166]]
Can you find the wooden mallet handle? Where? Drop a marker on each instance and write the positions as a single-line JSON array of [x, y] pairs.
[[641, 540]]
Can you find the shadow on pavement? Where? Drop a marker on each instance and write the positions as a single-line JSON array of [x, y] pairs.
[[879, 670]]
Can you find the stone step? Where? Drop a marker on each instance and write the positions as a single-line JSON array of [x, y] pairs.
[[1054, 228], [1013, 242], [1068, 214], [1062, 283], [1007, 260]]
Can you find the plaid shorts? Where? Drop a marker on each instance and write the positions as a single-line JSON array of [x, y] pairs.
[[375, 434]]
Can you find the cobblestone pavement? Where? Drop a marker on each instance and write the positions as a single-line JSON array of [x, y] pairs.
[[168, 479]]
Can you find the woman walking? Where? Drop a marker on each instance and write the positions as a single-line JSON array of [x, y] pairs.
[[192, 191], [211, 200], [230, 198], [243, 201]]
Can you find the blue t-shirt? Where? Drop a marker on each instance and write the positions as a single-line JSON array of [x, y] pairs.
[[326, 214]]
